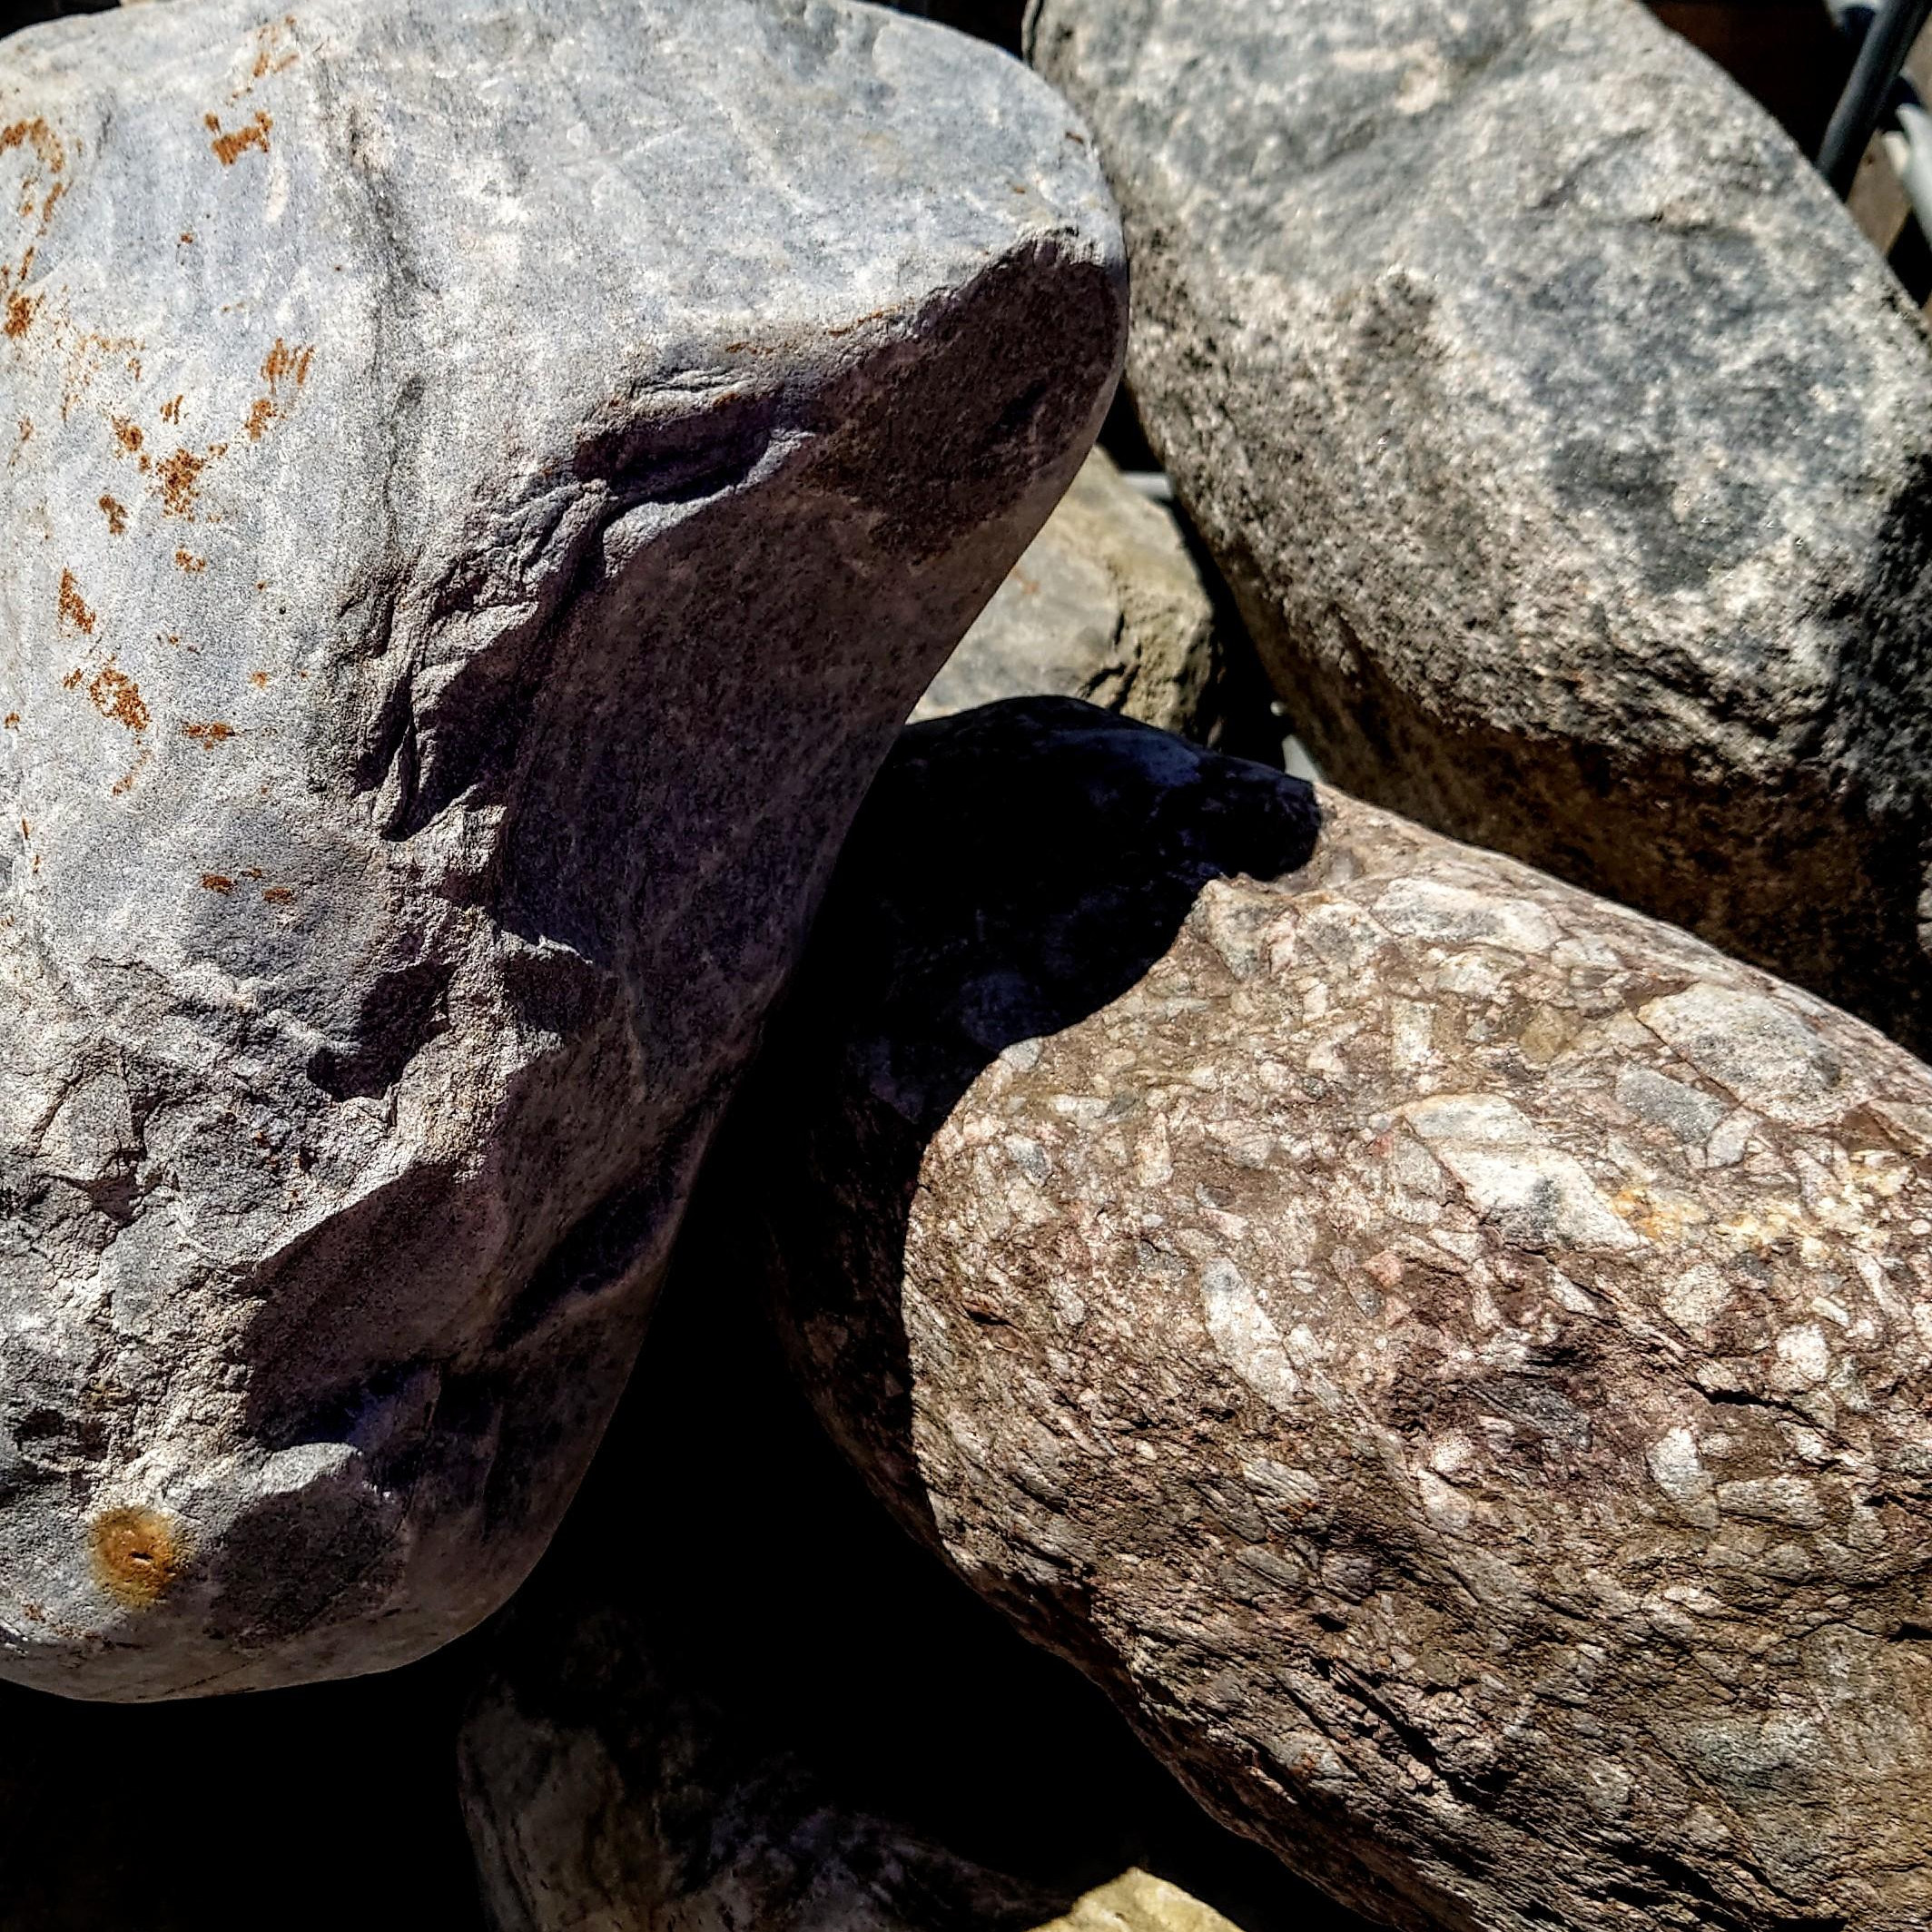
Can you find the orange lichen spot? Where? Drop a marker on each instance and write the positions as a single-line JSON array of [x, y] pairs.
[[19, 314], [270, 55], [283, 362], [260, 416], [127, 434], [230, 147], [187, 240], [11, 721], [192, 565], [278, 895], [209, 735], [178, 474], [116, 515], [260, 679], [217, 883], [72, 682], [74, 611], [116, 696], [36, 134], [138, 1553], [170, 410]]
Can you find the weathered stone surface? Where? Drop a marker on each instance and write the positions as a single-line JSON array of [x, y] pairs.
[[735, 1696], [1451, 1356], [1565, 447], [488, 483], [1106, 606]]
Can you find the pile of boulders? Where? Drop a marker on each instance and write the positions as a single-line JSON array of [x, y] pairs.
[[1435, 1332]]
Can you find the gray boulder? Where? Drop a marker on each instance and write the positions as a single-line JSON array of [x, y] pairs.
[[488, 484], [1451, 1356], [1106, 606], [1566, 447]]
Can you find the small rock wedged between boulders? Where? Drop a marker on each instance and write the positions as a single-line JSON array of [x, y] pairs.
[[735, 1695], [1450, 1355], [1567, 450], [488, 484], [1106, 606]]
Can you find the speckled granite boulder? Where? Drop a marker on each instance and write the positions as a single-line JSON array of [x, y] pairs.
[[1451, 1356], [1106, 606], [489, 482], [1568, 451]]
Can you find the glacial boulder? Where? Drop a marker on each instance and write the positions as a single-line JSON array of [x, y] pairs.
[[1567, 449], [486, 485], [1450, 1355]]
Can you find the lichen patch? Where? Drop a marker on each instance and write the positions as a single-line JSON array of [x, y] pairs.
[[138, 1554]]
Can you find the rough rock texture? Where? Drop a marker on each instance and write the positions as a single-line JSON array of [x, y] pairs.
[[1451, 1356], [1568, 451], [488, 483], [735, 1696], [1106, 605]]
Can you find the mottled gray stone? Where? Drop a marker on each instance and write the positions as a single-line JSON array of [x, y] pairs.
[[1106, 606], [489, 482], [1566, 447], [1451, 1356]]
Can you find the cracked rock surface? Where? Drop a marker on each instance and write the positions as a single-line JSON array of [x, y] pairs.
[[1451, 1355], [1568, 451], [1106, 606], [485, 483]]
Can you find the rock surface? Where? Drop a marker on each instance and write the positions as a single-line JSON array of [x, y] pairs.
[[1451, 1356], [489, 484], [1106, 606], [735, 1696], [1567, 450]]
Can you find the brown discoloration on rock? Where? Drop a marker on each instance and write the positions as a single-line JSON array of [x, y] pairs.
[[128, 434], [138, 1554], [1449, 1355], [114, 695], [72, 609], [36, 133], [176, 477], [171, 409], [19, 315], [281, 365], [209, 735], [278, 895], [116, 515], [230, 147], [260, 415], [194, 564], [260, 679], [217, 883]]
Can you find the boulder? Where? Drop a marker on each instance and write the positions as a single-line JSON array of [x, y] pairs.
[[488, 486], [1565, 447], [735, 1695], [1451, 1356], [1106, 606]]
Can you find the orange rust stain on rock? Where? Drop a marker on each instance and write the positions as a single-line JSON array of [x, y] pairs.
[[19, 314], [216, 882], [125, 781], [11, 721], [259, 418], [138, 1553], [209, 735], [230, 147], [116, 696], [260, 679], [170, 410], [36, 133], [74, 611], [127, 434], [278, 895], [116, 515], [192, 565], [283, 362], [186, 239], [178, 474]]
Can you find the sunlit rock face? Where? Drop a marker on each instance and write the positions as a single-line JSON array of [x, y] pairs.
[[484, 484]]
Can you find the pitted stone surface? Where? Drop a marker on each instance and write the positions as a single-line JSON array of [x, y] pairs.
[[1566, 447], [1451, 1356], [1106, 606], [486, 483]]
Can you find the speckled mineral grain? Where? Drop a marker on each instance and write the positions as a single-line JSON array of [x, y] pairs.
[[1567, 449], [486, 483], [1453, 1357]]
